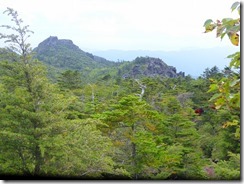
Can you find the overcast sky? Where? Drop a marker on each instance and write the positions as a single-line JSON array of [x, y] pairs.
[[122, 24]]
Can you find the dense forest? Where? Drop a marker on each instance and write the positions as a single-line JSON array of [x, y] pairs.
[[114, 121]]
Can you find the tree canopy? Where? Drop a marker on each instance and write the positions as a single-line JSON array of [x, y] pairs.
[[75, 125]]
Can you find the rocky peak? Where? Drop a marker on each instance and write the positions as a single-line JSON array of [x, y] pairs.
[[149, 66], [63, 53], [53, 41]]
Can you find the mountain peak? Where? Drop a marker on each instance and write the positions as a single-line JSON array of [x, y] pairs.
[[63, 53], [49, 41], [150, 66], [53, 41]]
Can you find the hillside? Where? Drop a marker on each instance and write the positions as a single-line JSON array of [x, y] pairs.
[[69, 114], [64, 54], [141, 115]]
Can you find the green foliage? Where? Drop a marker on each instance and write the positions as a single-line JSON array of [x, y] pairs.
[[227, 96], [129, 121], [85, 151], [228, 170], [212, 73], [34, 123], [19, 36], [228, 26], [104, 125], [8, 55], [64, 55], [227, 89], [70, 80]]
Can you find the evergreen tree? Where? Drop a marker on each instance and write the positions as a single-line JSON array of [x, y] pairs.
[[36, 133]]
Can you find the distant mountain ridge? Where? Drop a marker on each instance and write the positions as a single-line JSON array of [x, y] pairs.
[[64, 54]]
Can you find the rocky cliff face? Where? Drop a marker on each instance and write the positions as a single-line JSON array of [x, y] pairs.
[[148, 66], [53, 41]]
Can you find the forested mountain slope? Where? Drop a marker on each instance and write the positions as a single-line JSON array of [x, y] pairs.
[[62, 53], [134, 120]]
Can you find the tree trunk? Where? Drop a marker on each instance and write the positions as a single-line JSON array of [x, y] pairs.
[[38, 161]]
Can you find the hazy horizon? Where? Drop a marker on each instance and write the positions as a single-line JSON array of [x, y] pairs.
[[192, 61], [121, 24], [130, 25]]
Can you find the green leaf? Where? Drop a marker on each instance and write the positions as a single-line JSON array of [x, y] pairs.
[[222, 35], [210, 27], [235, 28], [207, 22], [239, 10], [232, 55], [226, 20], [233, 83], [235, 62], [213, 87], [217, 95], [235, 5]]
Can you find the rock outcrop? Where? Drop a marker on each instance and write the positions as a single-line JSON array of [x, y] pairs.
[[151, 67]]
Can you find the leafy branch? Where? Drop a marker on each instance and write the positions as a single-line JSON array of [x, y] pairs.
[[227, 89], [17, 39], [228, 26]]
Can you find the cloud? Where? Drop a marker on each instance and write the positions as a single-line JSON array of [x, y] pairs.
[[128, 24]]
